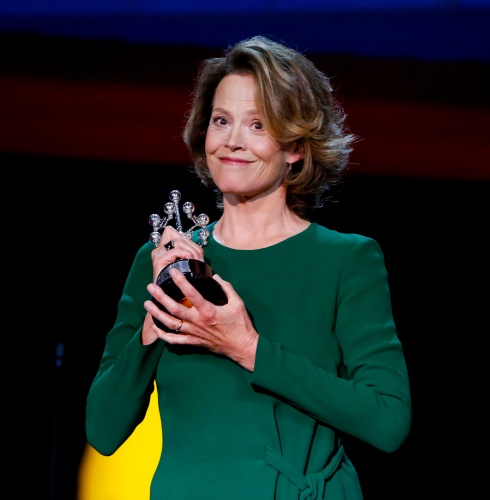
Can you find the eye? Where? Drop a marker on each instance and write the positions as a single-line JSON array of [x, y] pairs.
[[220, 120], [258, 125]]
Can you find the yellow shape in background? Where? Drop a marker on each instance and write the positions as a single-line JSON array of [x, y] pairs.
[[125, 475]]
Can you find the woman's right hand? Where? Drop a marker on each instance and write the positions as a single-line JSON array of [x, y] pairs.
[[183, 248]]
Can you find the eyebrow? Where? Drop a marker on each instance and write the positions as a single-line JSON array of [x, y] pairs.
[[251, 112]]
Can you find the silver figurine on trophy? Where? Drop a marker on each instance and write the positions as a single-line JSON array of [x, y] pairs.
[[198, 273]]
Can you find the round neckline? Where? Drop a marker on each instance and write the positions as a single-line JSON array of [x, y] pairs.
[[286, 240]]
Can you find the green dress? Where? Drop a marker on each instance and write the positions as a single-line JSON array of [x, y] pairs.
[[329, 362]]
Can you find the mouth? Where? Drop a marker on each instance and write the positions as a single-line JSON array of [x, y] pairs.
[[228, 160]]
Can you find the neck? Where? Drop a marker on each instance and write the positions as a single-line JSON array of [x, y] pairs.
[[256, 224]]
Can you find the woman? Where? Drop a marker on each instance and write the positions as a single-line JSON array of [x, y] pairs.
[[255, 395]]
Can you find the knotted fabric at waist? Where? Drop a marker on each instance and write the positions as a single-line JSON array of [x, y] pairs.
[[311, 485]]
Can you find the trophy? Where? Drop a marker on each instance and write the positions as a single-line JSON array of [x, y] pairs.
[[198, 273]]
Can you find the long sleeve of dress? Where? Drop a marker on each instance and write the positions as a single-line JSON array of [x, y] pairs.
[[120, 392], [365, 393]]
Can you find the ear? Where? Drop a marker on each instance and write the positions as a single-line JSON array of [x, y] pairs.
[[294, 153]]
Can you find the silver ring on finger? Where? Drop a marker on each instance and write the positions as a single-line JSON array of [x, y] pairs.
[[180, 326]]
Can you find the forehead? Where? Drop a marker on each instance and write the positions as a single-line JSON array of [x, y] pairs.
[[235, 90]]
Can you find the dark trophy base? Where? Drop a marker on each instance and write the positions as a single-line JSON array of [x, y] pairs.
[[199, 274]]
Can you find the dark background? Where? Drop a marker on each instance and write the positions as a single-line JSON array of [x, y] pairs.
[[91, 112]]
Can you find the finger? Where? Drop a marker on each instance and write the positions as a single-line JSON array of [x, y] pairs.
[[161, 299], [161, 317], [168, 234], [226, 285], [179, 338], [162, 256], [190, 293], [172, 307], [183, 333], [182, 244], [219, 279]]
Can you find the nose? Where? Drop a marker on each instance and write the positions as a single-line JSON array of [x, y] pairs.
[[235, 139]]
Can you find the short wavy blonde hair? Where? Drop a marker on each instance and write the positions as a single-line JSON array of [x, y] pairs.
[[297, 104]]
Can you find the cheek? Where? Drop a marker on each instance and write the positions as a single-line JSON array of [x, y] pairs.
[[207, 143], [267, 149], [271, 155], [212, 142]]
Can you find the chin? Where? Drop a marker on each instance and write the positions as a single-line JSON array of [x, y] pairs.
[[231, 187]]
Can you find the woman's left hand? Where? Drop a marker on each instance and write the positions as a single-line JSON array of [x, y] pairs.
[[225, 329]]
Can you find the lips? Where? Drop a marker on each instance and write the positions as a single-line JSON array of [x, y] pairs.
[[235, 161]]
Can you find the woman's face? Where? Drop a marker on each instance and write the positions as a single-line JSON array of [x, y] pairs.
[[242, 157]]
